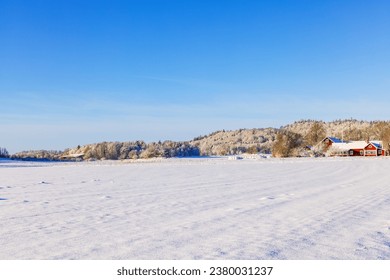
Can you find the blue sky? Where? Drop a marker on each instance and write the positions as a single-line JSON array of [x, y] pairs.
[[78, 72]]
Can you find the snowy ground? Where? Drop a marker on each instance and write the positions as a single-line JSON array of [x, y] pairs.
[[333, 208]]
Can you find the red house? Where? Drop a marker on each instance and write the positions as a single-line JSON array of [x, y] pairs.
[[373, 150]]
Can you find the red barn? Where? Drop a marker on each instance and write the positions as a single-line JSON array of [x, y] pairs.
[[373, 150]]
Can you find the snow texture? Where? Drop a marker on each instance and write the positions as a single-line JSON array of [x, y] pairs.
[[213, 208]]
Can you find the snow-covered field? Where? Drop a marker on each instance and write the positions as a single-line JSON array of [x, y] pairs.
[[329, 208]]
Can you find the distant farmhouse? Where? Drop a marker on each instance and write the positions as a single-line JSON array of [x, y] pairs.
[[77, 157], [333, 146]]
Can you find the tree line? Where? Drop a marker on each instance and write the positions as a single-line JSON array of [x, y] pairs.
[[117, 151], [136, 150]]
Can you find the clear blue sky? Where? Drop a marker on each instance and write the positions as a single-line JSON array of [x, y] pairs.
[[78, 72]]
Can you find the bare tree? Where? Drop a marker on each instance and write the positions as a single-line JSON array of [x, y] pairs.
[[287, 144], [381, 131], [315, 134]]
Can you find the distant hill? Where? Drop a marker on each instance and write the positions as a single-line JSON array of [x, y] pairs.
[[257, 140], [349, 129], [236, 141]]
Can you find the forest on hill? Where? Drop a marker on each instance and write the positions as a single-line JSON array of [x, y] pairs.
[[290, 140]]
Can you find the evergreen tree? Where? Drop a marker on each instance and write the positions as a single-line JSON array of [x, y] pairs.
[[3, 153]]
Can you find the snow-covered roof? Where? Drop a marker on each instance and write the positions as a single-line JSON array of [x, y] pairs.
[[73, 155], [350, 145]]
